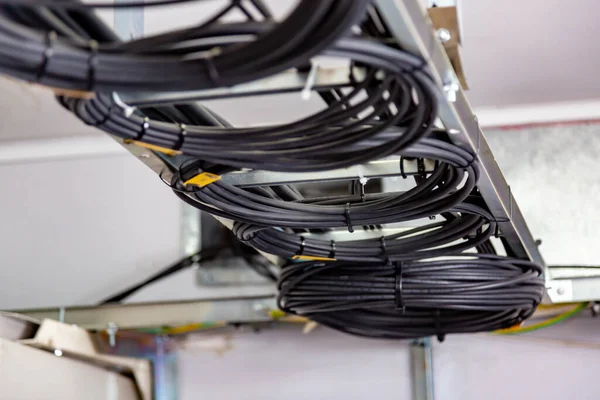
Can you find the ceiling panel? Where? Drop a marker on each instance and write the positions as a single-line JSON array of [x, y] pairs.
[[514, 53], [523, 52]]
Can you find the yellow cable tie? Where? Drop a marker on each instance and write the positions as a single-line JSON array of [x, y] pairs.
[[164, 150], [312, 258], [203, 179]]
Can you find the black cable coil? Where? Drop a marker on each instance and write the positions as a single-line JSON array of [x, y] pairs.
[[463, 294], [400, 108], [452, 180], [161, 63], [400, 96], [465, 226]]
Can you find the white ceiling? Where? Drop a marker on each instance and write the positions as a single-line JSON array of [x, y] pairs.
[[515, 52], [535, 51]]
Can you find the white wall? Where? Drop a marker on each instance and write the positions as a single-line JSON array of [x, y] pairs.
[[327, 365], [73, 231], [287, 364]]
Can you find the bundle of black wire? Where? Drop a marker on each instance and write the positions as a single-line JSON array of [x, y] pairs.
[[161, 63], [452, 180], [463, 227], [467, 293], [401, 99]]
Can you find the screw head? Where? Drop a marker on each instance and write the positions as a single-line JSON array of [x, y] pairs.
[[443, 35], [112, 329], [258, 307], [560, 291], [450, 90]]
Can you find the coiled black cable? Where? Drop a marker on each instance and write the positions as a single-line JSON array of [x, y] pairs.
[[68, 4], [402, 100], [311, 27], [467, 225], [462, 294], [452, 180]]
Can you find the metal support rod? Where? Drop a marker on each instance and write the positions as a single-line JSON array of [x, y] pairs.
[[285, 82], [421, 359], [129, 24], [150, 315], [373, 169], [410, 24], [573, 290]]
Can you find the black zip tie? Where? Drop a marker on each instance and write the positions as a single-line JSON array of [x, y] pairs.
[[419, 67], [182, 133], [421, 168], [497, 230], [398, 286], [144, 128], [510, 211], [470, 163], [332, 252], [384, 250], [351, 76], [92, 63], [402, 172], [47, 55], [213, 73], [478, 146], [348, 220], [438, 326], [302, 244]]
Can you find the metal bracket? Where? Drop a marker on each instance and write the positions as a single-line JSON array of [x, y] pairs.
[[374, 169], [285, 82], [412, 28], [421, 359], [149, 315]]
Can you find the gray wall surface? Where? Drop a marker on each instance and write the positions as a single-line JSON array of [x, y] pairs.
[[553, 175], [327, 365]]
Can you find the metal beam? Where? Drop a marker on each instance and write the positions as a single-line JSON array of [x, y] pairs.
[[285, 82], [573, 290], [149, 315], [373, 169], [412, 28]]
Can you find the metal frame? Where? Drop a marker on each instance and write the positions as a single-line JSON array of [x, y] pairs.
[[411, 26], [374, 169], [285, 82], [150, 315], [421, 360]]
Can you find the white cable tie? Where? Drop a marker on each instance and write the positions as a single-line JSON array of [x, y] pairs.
[[127, 109], [310, 81], [361, 177]]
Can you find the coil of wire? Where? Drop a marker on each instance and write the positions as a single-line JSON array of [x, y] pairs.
[[160, 63], [462, 294]]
